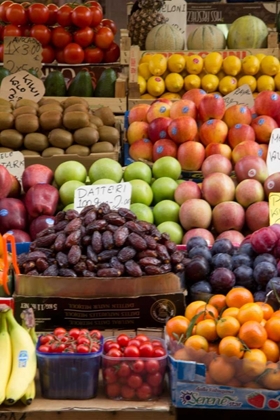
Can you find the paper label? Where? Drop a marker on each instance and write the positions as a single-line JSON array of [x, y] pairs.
[[116, 195], [273, 152], [22, 85], [176, 13], [22, 53], [240, 96], [14, 162], [274, 208]]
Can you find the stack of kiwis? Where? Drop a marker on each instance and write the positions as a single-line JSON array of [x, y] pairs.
[[50, 127]]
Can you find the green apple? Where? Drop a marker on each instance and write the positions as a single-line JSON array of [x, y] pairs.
[[165, 211], [105, 168], [138, 170], [141, 192], [67, 191], [180, 181], [103, 181], [68, 171], [163, 189], [142, 212], [68, 207], [174, 230], [167, 166]]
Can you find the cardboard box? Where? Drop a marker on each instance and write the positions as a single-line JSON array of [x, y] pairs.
[[102, 313]]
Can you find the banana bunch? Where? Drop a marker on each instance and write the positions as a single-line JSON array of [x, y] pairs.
[[17, 360]]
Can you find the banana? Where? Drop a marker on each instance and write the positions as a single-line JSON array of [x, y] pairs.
[[5, 356], [23, 361], [30, 393]]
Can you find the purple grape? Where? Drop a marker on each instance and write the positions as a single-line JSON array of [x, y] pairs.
[[222, 245], [221, 260], [222, 280], [263, 272]]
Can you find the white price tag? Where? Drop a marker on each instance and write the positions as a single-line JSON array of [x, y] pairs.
[[240, 96], [14, 162], [273, 152]]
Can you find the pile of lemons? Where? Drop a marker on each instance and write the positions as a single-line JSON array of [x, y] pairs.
[[171, 77]]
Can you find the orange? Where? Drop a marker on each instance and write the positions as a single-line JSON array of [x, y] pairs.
[[231, 346], [227, 325], [207, 328], [221, 370], [254, 363], [206, 311], [276, 313], [191, 308], [271, 377], [272, 327], [267, 309], [238, 296], [253, 334], [232, 311], [271, 350], [177, 326], [219, 301], [250, 312], [197, 342]]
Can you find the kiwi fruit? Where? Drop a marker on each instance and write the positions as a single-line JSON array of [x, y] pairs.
[[27, 152], [7, 103], [102, 147], [52, 151], [75, 119], [50, 120], [6, 150], [45, 101], [50, 107], [5, 108], [24, 101], [77, 107], [106, 115], [95, 120], [86, 136], [110, 134], [60, 138], [25, 109], [6, 120], [71, 100], [77, 149], [27, 123], [35, 141], [11, 138]]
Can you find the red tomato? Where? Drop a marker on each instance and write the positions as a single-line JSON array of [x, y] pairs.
[[97, 16], [138, 366], [127, 392], [113, 390], [124, 370], [135, 381], [81, 16], [114, 353], [59, 331], [93, 55], [94, 3], [12, 30], [42, 33], [152, 366], [146, 350], [95, 334], [134, 342], [142, 338], [131, 351], [16, 14], [60, 37], [38, 13], [109, 375], [83, 348], [53, 8], [59, 55], [159, 352], [109, 23], [123, 340], [104, 38], [84, 331], [156, 343], [112, 345], [112, 54], [83, 340], [63, 15], [84, 36], [144, 392], [95, 347], [106, 346], [44, 339], [154, 379], [48, 54], [74, 332], [3, 9], [44, 348], [57, 347]]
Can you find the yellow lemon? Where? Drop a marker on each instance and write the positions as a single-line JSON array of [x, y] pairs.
[[147, 96], [248, 80], [176, 63], [270, 65], [142, 84], [145, 58], [157, 64], [143, 70], [213, 62], [265, 82], [260, 56], [277, 81], [192, 81], [250, 65], [210, 83], [231, 65], [170, 95], [227, 84], [155, 85], [174, 82], [194, 64]]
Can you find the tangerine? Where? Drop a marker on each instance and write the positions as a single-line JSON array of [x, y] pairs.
[[250, 312], [177, 326], [232, 311], [253, 334], [206, 311], [276, 313], [197, 342], [238, 296], [231, 346], [254, 363], [267, 309], [207, 328], [271, 350], [272, 327], [227, 325], [271, 377], [219, 301], [221, 370], [191, 308]]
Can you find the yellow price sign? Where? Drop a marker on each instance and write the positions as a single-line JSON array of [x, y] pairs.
[[274, 208]]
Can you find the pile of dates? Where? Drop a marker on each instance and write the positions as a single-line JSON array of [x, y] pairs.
[[101, 242]]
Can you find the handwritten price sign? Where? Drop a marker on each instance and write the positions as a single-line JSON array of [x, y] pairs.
[[22, 53], [273, 152], [176, 13], [22, 85], [240, 96]]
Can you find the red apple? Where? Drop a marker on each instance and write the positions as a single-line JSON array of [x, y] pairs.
[[218, 148], [5, 181], [158, 129], [159, 109], [263, 126], [194, 95], [183, 107], [40, 223], [245, 148], [228, 215], [237, 114], [137, 130], [12, 214], [182, 129], [217, 187], [138, 113], [187, 190], [36, 174], [257, 215], [213, 131], [235, 237], [240, 132], [267, 103], [191, 155], [249, 191], [20, 235], [41, 199], [164, 147], [211, 106], [15, 189], [141, 149], [195, 213], [251, 167], [216, 163], [204, 233]]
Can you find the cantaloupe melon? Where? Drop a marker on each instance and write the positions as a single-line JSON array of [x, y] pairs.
[[207, 38], [247, 32], [165, 37]]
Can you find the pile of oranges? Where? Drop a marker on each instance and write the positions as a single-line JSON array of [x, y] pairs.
[[237, 339]]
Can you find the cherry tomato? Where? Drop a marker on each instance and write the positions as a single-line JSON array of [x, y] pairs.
[[44, 348], [109, 375], [81, 16], [112, 54], [48, 54], [94, 3], [84, 331], [134, 381], [3, 9], [109, 23], [83, 348], [159, 352], [124, 370], [138, 366], [84, 36], [113, 345], [59, 331], [95, 334], [142, 338], [146, 350], [63, 15], [83, 340], [95, 347], [59, 55], [127, 392], [156, 343], [152, 366], [113, 390], [123, 340], [74, 332], [53, 8], [12, 30], [106, 346], [42, 33], [134, 342], [97, 16], [114, 353], [144, 392], [57, 347], [93, 55], [45, 338], [38, 13], [131, 351], [154, 379], [65, 338], [16, 14], [60, 37], [104, 38]]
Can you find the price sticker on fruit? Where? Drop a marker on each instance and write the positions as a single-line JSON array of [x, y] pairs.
[[22, 85], [116, 195]]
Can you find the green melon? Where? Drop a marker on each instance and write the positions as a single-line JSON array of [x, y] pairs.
[[207, 38], [165, 37], [247, 32]]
